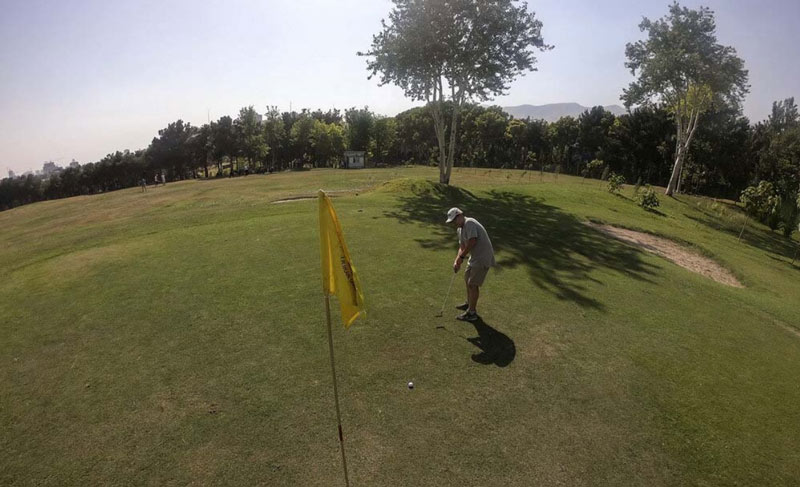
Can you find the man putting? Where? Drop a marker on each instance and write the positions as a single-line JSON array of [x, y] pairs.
[[473, 241]]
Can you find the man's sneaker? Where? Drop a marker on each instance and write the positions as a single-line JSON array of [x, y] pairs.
[[467, 316], [463, 307]]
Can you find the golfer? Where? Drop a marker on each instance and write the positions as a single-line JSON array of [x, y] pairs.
[[473, 241]]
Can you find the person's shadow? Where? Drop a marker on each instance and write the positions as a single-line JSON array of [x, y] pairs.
[[495, 347]]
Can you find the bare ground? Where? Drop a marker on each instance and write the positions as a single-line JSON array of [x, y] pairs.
[[672, 251]]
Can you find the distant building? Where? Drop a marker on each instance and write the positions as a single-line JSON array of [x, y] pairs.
[[354, 159], [49, 168], [74, 164]]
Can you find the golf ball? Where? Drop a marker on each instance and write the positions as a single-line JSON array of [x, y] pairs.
[[410, 385]]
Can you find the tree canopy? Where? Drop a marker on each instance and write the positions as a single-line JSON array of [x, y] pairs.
[[471, 49], [681, 66]]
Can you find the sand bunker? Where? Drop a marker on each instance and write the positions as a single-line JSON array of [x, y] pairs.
[[686, 258]]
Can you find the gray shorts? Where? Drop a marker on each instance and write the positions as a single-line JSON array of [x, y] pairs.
[[475, 275]]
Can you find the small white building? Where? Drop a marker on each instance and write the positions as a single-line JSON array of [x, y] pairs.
[[354, 159]]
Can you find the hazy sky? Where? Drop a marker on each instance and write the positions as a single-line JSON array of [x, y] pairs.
[[80, 79]]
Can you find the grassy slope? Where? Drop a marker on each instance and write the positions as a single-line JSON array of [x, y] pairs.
[[177, 337]]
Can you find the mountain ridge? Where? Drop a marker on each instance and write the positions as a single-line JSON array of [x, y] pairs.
[[553, 111]]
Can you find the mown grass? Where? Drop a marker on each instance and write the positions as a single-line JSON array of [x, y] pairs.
[[177, 337]]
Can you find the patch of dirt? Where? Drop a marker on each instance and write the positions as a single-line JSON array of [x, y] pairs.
[[302, 197], [672, 251], [293, 198]]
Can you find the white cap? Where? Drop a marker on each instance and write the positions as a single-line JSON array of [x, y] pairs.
[[452, 213]]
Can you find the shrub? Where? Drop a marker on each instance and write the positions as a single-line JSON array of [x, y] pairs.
[[615, 183], [593, 168], [648, 199], [763, 203]]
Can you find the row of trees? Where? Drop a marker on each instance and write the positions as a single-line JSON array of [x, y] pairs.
[[251, 142], [728, 153]]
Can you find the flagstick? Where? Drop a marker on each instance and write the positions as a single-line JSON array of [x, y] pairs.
[[335, 390]]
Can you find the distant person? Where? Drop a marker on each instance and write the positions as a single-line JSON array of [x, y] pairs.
[[473, 241], [155, 179], [163, 179], [143, 182]]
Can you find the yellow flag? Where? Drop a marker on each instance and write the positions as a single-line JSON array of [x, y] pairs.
[[338, 274]]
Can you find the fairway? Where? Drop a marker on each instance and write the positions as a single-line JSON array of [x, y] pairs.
[[177, 337]]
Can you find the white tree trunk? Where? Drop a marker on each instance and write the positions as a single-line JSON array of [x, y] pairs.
[[440, 129], [446, 154], [676, 171], [685, 134]]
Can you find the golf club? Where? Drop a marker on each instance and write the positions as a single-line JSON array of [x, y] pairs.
[[447, 296]]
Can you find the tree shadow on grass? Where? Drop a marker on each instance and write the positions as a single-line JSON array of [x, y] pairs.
[[655, 212], [755, 237], [557, 249], [496, 347], [795, 265]]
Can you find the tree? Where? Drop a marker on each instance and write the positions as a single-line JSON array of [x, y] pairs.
[[491, 129], [327, 140], [720, 162], [274, 131], [563, 136], [638, 145], [537, 139], [681, 66], [784, 115], [170, 150], [224, 140], [360, 122], [384, 138], [201, 146], [415, 140], [250, 135], [593, 127], [516, 134], [300, 137], [333, 115], [471, 48]]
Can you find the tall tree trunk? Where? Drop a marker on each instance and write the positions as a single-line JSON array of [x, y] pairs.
[[684, 141], [446, 155], [453, 136], [676, 171], [439, 128]]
